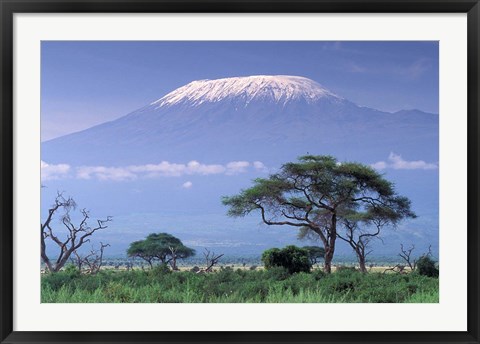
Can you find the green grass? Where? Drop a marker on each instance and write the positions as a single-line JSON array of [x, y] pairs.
[[237, 286]]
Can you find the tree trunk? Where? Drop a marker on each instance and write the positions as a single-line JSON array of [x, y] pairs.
[[63, 260], [43, 253], [174, 264], [361, 263], [327, 267], [45, 259], [330, 247]]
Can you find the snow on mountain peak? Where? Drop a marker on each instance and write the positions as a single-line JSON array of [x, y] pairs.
[[277, 88]]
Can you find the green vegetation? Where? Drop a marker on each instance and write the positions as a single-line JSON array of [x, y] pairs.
[[315, 253], [426, 267], [162, 246], [292, 258], [275, 285], [326, 199], [323, 199]]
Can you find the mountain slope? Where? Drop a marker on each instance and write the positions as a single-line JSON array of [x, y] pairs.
[[234, 118]]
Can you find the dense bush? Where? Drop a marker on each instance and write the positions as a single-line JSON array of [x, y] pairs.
[[426, 267], [292, 258], [160, 269], [277, 273], [72, 270]]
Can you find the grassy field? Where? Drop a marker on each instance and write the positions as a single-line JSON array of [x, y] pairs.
[[237, 286]]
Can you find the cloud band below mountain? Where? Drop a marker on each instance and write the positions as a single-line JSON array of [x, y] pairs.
[[50, 172], [132, 172]]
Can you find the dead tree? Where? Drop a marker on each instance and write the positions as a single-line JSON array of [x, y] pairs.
[[77, 260], [76, 235], [359, 238], [94, 260], [397, 268], [211, 260], [359, 241], [406, 255]]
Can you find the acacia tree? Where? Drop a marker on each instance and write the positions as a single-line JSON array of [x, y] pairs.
[[143, 250], [74, 236], [179, 252], [162, 246], [315, 253], [315, 193]]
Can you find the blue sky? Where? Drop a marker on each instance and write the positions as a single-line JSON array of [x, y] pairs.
[[87, 83]]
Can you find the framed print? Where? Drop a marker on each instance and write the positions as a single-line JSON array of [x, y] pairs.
[[239, 172]]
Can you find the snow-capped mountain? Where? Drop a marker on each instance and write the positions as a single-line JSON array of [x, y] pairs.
[[269, 117], [280, 89], [263, 121]]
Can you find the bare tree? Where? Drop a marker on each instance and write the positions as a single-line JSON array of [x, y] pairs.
[[399, 268], [76, 235], [77, 260], [94, 260], [360, 238], [211, 260], [406, 255]]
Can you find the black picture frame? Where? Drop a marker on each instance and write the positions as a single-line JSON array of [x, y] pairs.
[[10, 7]]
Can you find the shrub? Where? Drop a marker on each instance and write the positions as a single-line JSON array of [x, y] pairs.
[[273, 285], [277, 273], [426, 267], [292, 258], [72, 271], [160, 270], [319, 274]]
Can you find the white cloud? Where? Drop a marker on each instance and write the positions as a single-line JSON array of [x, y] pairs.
[[260, 166], [194, 167], [380, 165], [105, 173], [236, 167], [167, 169], [162, 169], [396, 162], [49, 172], [187, 185]]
